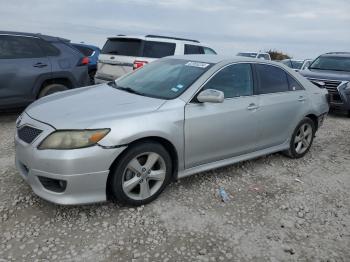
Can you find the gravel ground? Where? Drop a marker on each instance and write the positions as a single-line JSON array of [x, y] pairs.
[[279, 210]]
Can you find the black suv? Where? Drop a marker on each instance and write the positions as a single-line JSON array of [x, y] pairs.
[[35, 65], [332, 71]]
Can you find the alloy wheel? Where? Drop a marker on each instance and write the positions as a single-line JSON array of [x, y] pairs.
[[144, 176], [303, 139]]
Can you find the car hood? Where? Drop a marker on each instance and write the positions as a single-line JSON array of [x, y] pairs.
[[326, 74], [85, 107]]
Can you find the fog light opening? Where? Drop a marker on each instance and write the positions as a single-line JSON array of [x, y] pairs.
[[55, 185]]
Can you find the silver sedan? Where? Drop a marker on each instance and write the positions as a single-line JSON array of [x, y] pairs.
[[128, 139]]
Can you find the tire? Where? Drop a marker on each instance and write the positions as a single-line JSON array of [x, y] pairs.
[[141, 174], [51, 89], [301, 142], [349, 113]]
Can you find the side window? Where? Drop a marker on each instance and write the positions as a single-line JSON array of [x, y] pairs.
[[86, 51], [271, 79], [293, 84], [193, 49], [12, 47], [158, 49], [209, 51], [48, 48], [234, 80]]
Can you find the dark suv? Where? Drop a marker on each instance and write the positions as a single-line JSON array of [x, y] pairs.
[[35, 65], [332, 71]]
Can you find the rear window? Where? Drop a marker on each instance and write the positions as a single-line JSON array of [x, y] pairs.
[[158, 49], [122, 47], [86, 51]]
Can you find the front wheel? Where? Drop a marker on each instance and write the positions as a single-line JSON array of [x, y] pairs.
[[51, 89], [141, 174], [302, 139]]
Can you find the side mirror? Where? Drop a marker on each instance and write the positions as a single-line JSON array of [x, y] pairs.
[[211, 96]]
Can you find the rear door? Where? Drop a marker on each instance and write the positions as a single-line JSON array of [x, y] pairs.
[[216, 131], [282, 102], [22, 61]]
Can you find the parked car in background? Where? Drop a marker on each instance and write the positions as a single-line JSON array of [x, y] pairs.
[[259, 55], [295, 64], [306, 64], [92, 52], [331, 71], [170, 119], [122, 54], [35, 65]]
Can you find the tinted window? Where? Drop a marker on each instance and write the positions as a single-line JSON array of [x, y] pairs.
[[12, 47], [193, 50], [164, 79], [209, 51], [329, 62], [234, 80], [272, 79], [293, 84], [86, 51], [122, 46], [158, 49], [48, 48]]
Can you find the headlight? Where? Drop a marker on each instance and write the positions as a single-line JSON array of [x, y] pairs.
[[347, 86], [73, 139]]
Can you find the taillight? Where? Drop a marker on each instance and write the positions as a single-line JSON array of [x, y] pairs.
[[84, 61], [138, 64]]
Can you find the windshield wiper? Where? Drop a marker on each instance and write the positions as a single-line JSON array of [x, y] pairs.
[[328, 69], [112, 84], [130, 90]]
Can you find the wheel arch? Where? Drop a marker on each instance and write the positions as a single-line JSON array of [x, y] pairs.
[[314, 119], [164, 142]]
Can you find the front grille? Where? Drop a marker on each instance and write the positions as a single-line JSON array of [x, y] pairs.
[[331, 85], [332, 88], [28, 133]]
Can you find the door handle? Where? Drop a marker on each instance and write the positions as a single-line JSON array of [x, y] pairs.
[[301, 99], [40, 65], [252, 106]]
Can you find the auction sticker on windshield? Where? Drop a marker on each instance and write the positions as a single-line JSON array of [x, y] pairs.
[[197, 64]]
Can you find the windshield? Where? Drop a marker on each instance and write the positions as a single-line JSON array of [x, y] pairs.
[[253, 55], [165, 79], [296, 64], [335, 63]]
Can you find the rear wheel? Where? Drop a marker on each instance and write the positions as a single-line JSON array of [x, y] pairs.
[[51, 89], [302, 139], [141, 174]]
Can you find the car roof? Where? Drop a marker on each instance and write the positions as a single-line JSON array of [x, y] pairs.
[[339, 54], [86, 45], [44, 37], [159, 38], [215, 59]]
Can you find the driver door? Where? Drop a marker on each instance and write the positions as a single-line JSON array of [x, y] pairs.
[[216, 131]]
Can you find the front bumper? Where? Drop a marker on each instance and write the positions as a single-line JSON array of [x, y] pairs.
[[84, 171]]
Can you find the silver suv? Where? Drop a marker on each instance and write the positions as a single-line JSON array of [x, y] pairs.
[[122, 54]]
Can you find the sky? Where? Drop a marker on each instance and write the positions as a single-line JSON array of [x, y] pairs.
[[300, 28]]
